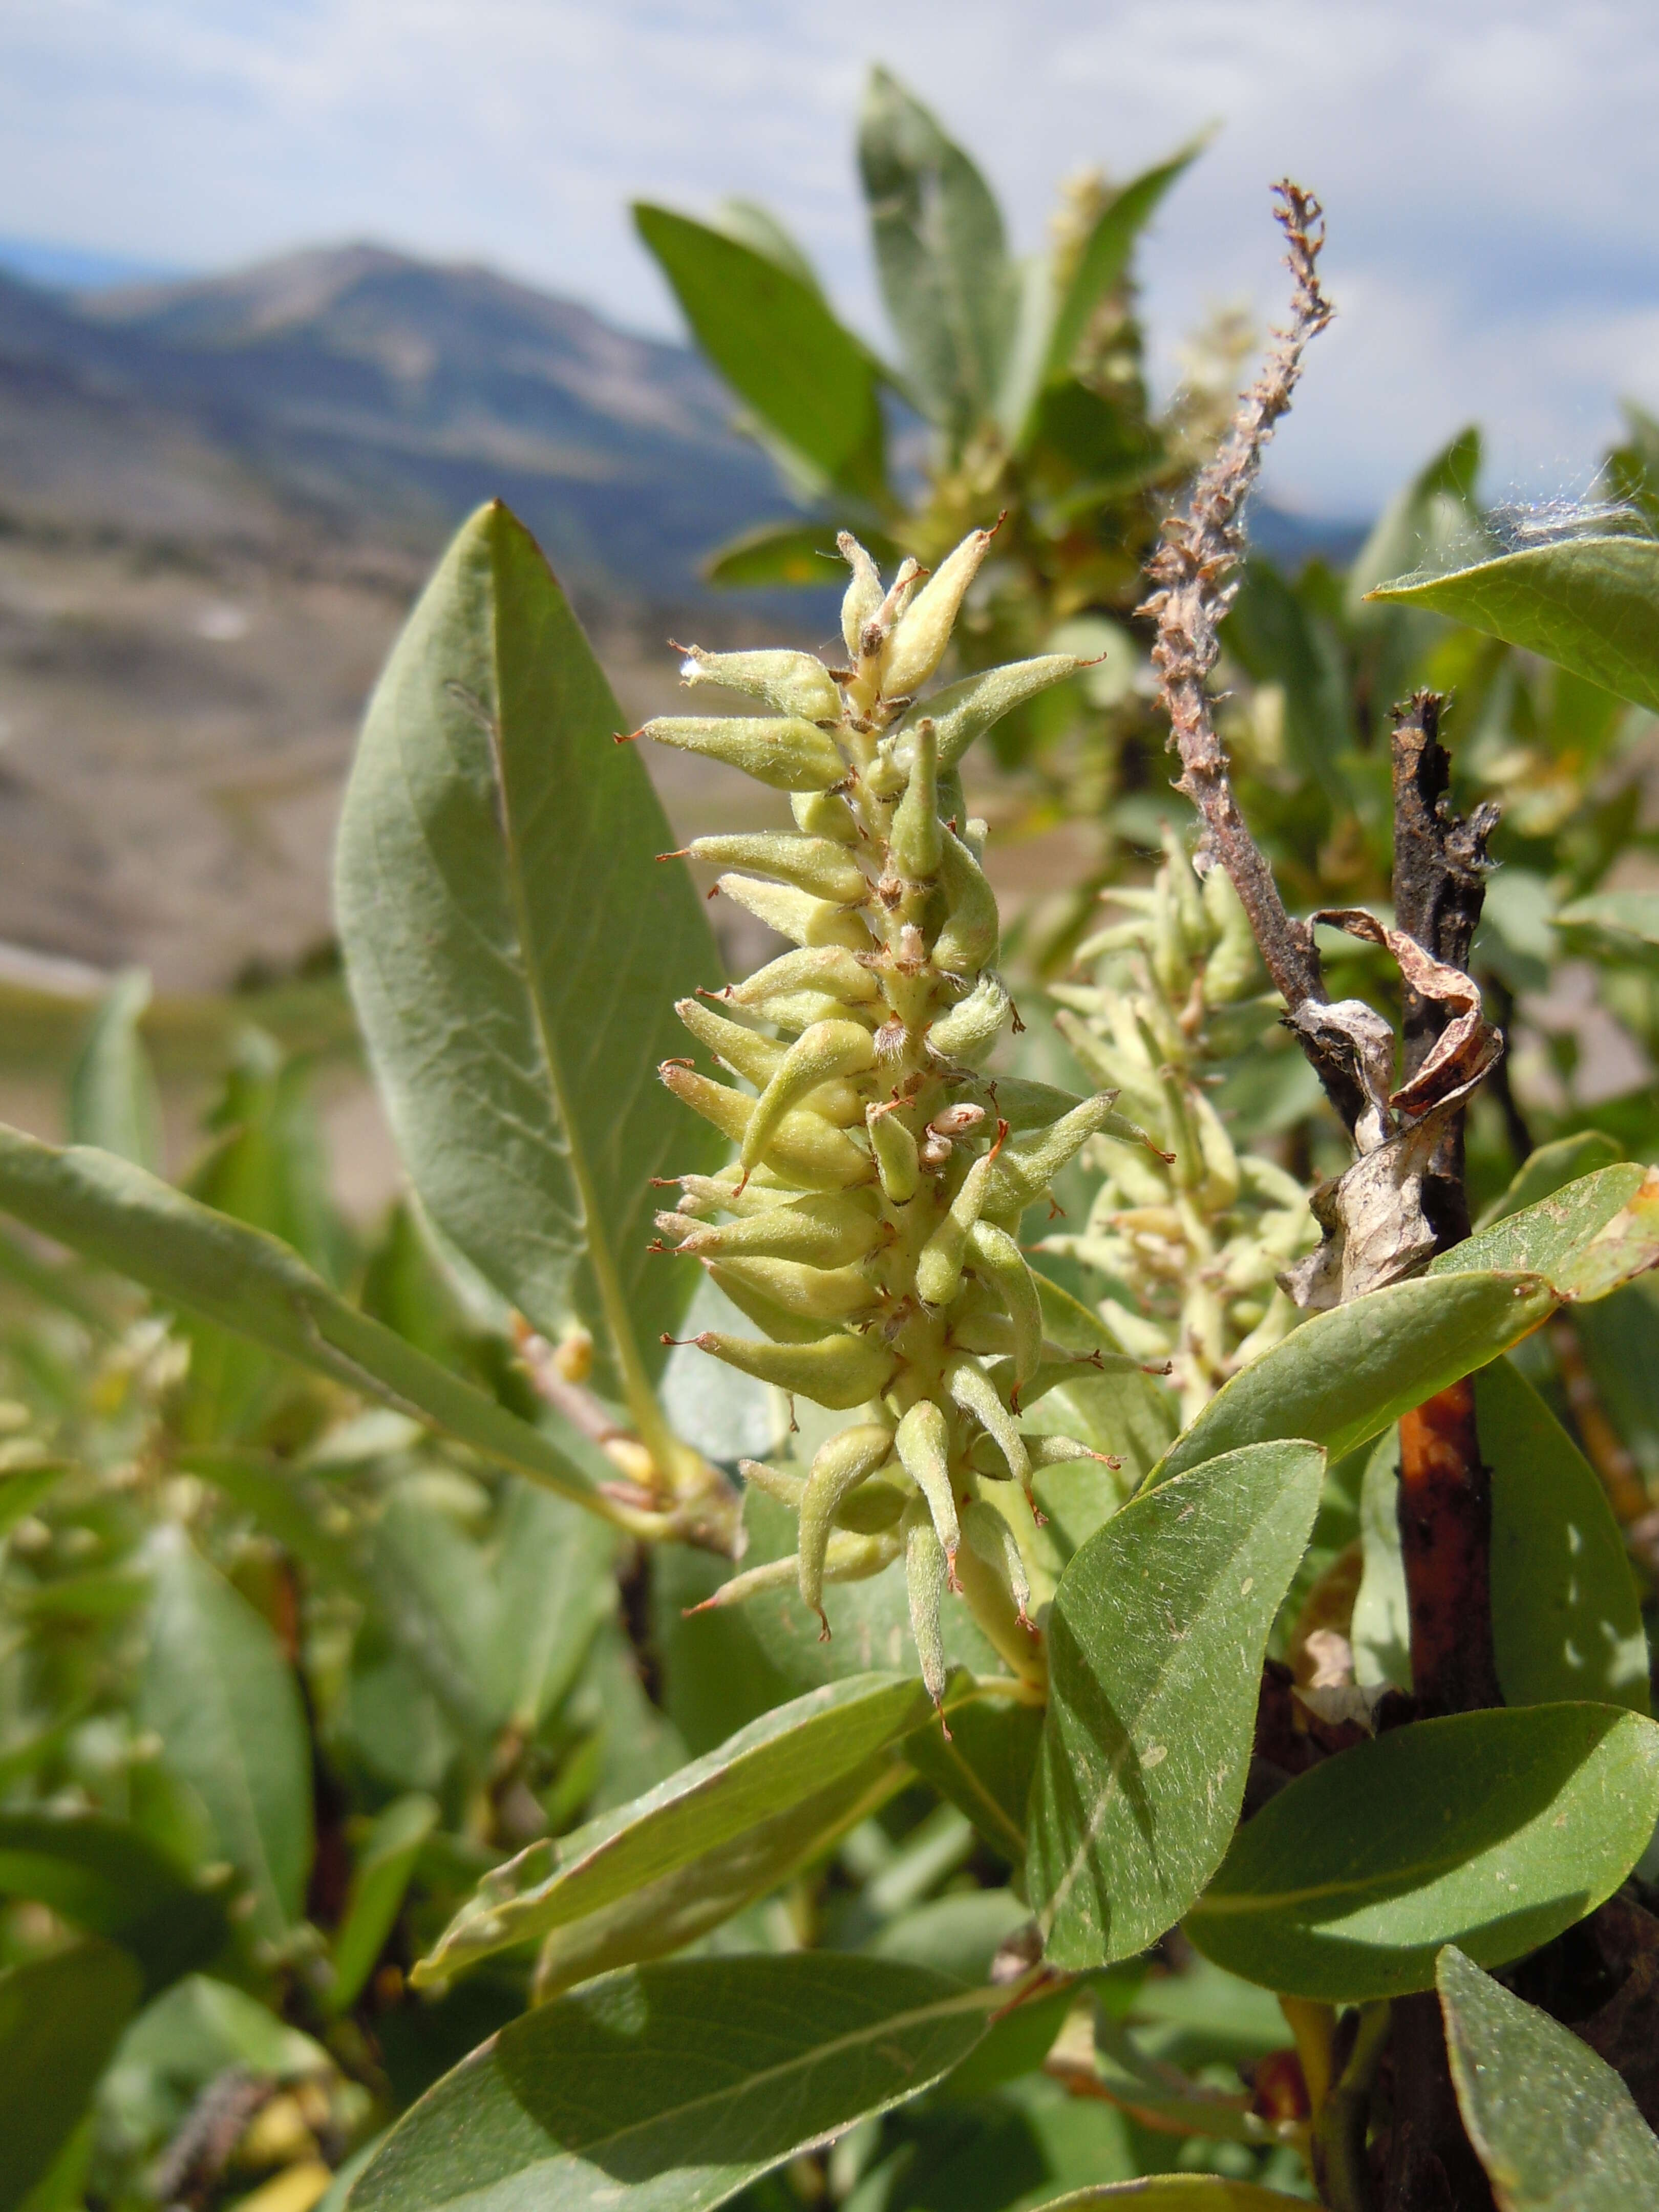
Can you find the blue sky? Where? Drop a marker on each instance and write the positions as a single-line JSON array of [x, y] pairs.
[[1492, 171]]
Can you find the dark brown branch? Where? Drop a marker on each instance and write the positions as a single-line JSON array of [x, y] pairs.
[[1440, 868], [1445, 1541]]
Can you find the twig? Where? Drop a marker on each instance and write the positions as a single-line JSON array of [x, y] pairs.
[[1440, 867], [1445, 1543], [1193, 569]]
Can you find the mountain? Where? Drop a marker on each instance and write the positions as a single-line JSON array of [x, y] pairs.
[[373, 399]]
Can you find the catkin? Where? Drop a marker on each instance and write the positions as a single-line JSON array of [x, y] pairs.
[[875, 1204]]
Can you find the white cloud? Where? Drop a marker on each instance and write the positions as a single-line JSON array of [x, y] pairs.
[[1489, 165]]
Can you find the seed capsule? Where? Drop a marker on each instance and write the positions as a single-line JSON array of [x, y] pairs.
[[790, 755], [819, 1232], [963, 712], [804, 1144], [830, 968], [792, 684], [973, 1026], [850, 1559], [995, 1253], [813, 1293], [897, 1162], [924, 1574], [923, 631], [923, 1444], [810, 921], [938, 1267], [745, 1051], [968, 941], [818, 865], [973, 1389], [825, 814], [824, 1051], [840, 1371], [838, 1466], [917, 838], [864, 594]]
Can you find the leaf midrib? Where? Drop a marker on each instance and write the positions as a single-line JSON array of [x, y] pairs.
[[641, 1397], [893, 2024], [1112, 1787]]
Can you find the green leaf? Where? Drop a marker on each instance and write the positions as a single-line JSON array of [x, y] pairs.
[[801, 554], [1180, 2192], [984, 1767], [1344, 1376], [60, 2018], [1156, 1641], [1590, 604], [669, 2088], [1280, 640], [1103, 262], [1550, 1169], [771, 335], [111, 1879], [788, 1755], [1587, 1237], [1566, 1617], [514, 951], [379, 1880], [1119, 1409], [1434, 512], [555, 1587], [206, 1264], [112, 1099], [24, 1488], [1382, 1629], [218, 1691], [1491, 1830], [1555, 2128], [1626, 914], [941, 257]]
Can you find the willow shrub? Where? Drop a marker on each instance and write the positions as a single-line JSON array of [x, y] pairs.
[[327, 1753]]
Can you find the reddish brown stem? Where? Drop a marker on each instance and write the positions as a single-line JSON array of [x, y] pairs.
[[1445, 1539]]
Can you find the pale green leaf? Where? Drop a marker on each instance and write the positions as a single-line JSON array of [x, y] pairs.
[[789, 1754], [768, 330], [950, 292], [1550, 1169], [1615, 915], [1566, 1617], [1591, 604], [60, 2018], [669, 2088], [1345, 1375], [206, 1264], [515, 950], [676, 1908], [217, 1691], [379, 1879], [112, 1099], [1587, 1237], [1555, 2128], [799, 554], [1156, 1640], [1491, 1830]]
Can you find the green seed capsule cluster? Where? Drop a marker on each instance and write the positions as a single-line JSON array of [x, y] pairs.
[[868, 1226], [1190, 1243]]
